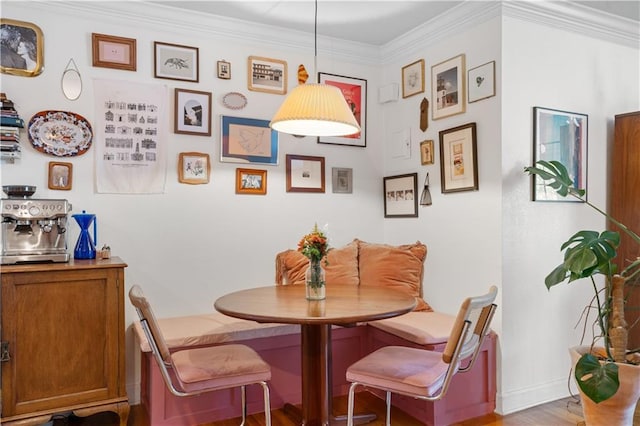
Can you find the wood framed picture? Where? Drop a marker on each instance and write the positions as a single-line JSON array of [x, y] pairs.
[[448, 87], [305, 173], [60, 175], [413, 78], [194, 168], [400, 195], [481, 82], [22, 48], [267, 75], [560, 136], [248, 140], [459, 159], [342, 180], [176, 62], [354, 91], [426, 152], [192, 112], [224, 70], [113, 52], [251, 181]]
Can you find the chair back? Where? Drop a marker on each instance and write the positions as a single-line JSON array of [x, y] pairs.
[[149, 324], [470, 328]]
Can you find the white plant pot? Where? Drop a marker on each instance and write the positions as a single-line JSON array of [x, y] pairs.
[[619, 409]]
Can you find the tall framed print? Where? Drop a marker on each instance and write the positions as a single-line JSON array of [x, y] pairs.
[[400, 199], [355, 93], [448, 88], [192, 112], [248, 140], [459, 159], [560, 136]]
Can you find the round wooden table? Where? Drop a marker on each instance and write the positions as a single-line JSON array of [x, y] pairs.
[[345, 305]]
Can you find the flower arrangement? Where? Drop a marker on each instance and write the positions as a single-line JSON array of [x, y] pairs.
[[314, 245]]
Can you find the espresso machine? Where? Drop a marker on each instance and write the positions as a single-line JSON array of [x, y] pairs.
[[33, 230]]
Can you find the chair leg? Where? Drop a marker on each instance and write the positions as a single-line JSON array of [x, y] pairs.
[[388, 401], [267, 403], [243, 397], [350, 407]]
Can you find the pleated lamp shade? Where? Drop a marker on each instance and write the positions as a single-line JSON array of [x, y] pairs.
[[315, 109]]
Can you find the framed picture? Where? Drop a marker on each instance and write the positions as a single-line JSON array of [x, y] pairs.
[[248, 140], [60, 175], [459, 159], [192, 112], [560, 136], [481, 82], [342, 180], [305, 173], [400, 195], [447, 86], [413, 79], [176, 62], [267, 75], [22, 48], [224, 70], [426, 152], [113, 52], [355, 93], [251, 181], [194, 168]]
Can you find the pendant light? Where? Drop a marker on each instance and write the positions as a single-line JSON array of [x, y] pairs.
[[315, 109]]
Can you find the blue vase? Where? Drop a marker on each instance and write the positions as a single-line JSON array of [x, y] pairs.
[[85, 248]]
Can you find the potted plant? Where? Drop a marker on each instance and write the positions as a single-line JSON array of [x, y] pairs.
[[609, 376]]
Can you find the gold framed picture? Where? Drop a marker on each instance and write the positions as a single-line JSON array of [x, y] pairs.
[[426, 152], [251, 181], [22, 48], [194, 168], [113, 52], [267, 75], [60, 175], [413, 78]]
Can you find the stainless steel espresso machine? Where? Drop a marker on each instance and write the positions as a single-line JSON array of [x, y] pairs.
[[33, 230]]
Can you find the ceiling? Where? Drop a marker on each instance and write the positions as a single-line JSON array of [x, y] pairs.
[[373, 22]]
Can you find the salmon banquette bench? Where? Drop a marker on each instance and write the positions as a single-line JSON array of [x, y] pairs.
[[357, 263]]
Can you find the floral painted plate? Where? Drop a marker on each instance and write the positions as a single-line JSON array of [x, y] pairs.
[[60, 133]]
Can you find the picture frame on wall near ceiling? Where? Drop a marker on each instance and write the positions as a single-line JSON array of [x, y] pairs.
[[481, 82], [560, 136], [251, 181], [342, 180], [448, 87], [354, 91], [413, 78], [400, 195], [60, 175], [459, 159], [267, 75], [194, 168], [248, 140], [224, 70], [176, 62], [23, 48], [114, 52], [192, 112], [305, 173]]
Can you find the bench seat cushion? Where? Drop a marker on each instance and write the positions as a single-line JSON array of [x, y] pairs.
[[422, 328], [210, 329]]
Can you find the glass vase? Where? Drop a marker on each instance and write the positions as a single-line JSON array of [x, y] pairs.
[[315, 281]]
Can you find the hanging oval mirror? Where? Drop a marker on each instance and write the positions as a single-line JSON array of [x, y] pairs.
[[71, 81]]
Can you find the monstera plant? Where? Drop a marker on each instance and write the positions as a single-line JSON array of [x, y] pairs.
[[588, 254]]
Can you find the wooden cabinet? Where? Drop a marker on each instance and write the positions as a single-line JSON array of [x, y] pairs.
[[63, 333], [624, 202]]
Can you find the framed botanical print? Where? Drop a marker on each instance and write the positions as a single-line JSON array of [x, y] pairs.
[[448, 88], [251, 181], [413, 79], [459, 159], [22, 48], [305, 173], [267, 75], [354, 91], [113, 52], [400, 195], [194, 168], [176, 62], [192, 112], [248, 140]]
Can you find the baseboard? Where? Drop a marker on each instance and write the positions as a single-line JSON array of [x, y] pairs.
[[528, 397]]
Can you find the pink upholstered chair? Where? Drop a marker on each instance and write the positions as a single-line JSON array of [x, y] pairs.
[[196, 371], [421, 373]]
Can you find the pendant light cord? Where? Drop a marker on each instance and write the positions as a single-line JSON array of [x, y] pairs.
[[315, 43]]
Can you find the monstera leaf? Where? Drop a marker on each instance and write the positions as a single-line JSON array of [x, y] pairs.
[[599, 381]]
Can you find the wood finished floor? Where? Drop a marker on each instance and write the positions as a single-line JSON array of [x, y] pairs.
[[564, 412]]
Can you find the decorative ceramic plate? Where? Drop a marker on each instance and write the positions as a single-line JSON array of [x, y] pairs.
[[60, 133]]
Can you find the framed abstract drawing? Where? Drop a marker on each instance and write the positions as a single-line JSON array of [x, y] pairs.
[[248, 140], [459, 159], [354, 91], [400, 195], [560, 136], [448, 88]]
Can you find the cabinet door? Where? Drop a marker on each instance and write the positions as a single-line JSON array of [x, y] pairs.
[[62, 328]]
